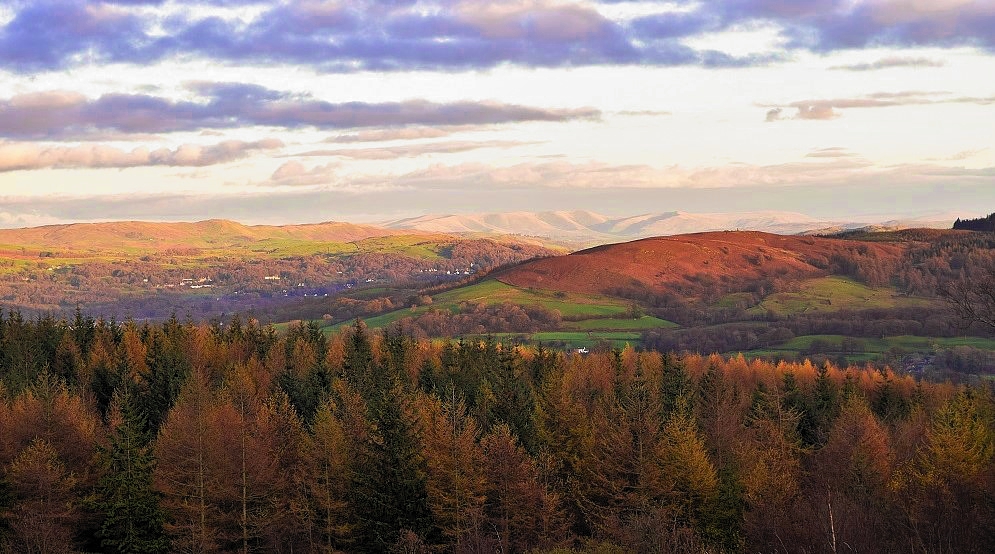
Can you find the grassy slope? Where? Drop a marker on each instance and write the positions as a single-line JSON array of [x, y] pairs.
[[197, 245], [827, 294], [873, 348], [594, 315]]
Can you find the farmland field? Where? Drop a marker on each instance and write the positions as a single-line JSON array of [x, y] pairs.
[[831, 294]]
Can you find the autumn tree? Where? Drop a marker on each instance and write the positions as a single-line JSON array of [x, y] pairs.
[[522, 514], [48, 509], [186, 473], [849, 493], [947, 487], [329, 460], [455, 477]]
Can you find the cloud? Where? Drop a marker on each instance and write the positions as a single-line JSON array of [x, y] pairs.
[[404, 133], [565, 175], [644, 113], [413, 150], [834, 152], [828, 25], [29, 156], [456, 35], [840, 191], [891, 62], [60, 114], [295, 174], [962, 155], [826, 109]]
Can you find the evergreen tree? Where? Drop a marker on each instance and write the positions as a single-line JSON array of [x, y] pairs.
[[675, 387], [389, 481], [168, 371], [357, 368], [133, 520]]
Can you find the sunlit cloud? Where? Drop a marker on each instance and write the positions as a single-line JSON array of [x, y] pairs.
[[32, 156]]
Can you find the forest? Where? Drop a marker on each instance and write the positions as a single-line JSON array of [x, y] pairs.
[[984, 224], [183, 437]]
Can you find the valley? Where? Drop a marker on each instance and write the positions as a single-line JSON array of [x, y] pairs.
[[144, 270], [858, 296]]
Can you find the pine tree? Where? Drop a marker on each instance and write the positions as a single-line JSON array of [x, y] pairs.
[[389, 480], [357, 367], [675, 387], [133, 521]]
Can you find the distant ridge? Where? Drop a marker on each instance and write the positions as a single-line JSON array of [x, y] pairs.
[[581, 225], [209, 233]]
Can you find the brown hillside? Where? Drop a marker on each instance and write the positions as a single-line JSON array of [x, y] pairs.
[[212, 233], [724, 256]]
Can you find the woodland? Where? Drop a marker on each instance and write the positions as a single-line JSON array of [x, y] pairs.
[[183, 437]]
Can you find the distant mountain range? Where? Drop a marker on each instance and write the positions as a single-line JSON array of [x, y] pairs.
[[586, 226]]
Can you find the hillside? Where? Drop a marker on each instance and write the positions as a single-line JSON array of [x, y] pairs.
[[150, 270], [860, 297], [215, 233], [660, 263]]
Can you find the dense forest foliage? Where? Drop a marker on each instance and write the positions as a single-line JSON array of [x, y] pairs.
[[985, 224], [195, 438]]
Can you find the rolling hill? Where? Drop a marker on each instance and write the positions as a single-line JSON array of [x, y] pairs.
[[660, 263], [150, 269], [734, 291], [214, 233]]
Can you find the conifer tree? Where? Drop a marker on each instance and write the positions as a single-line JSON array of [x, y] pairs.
[[389, 479], [132, 518], [328, 482]]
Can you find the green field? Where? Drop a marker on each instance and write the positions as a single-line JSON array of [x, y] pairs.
[[828, 294], [590, 316], [872, 348], [569, 304], [614, 324], [580, 337]]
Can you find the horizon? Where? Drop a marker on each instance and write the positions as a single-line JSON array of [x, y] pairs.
[[301, 112], [932, 218]]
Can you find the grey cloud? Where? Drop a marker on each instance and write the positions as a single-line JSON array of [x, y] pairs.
[[360, 36], [60, 114], [29, 156], [891, 62], [965, 154], [826, 109]]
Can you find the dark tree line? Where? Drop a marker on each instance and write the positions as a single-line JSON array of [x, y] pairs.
[[982, 224]]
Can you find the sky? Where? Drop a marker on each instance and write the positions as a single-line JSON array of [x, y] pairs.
[[372, 110]]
